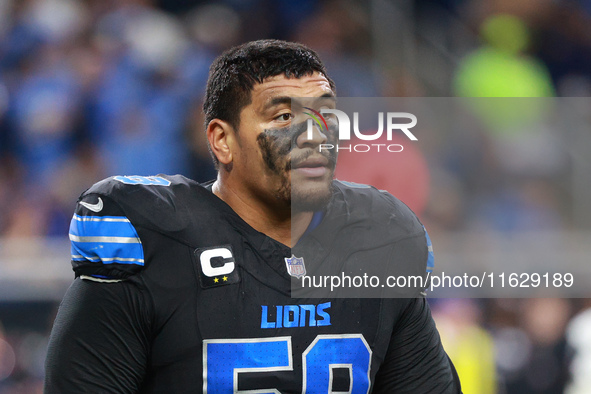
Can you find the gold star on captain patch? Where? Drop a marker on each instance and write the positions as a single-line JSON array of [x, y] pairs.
[[225, 278], [216, 280]]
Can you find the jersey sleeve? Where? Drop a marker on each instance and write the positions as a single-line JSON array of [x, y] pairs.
[[100, 340], [105, 245], [415, 361]]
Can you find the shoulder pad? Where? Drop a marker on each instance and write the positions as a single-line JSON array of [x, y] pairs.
[[384, 214], [162, 203], [105, 242], [377, 208]]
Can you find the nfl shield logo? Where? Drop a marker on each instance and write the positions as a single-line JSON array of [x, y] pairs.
[[295, 266]]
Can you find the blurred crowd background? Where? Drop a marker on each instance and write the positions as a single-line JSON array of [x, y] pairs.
[[93, 88]]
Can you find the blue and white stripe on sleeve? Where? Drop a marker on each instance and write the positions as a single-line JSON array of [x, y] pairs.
[[106, 240]]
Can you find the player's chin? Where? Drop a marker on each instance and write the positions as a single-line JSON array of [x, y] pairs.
[[311, 194]]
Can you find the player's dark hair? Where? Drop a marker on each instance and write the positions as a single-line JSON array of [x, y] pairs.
[[234, 73]]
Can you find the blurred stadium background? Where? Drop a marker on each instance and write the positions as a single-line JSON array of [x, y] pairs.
[[92, 88]]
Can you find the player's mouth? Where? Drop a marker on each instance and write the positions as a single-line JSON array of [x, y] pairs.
[[312, 167]]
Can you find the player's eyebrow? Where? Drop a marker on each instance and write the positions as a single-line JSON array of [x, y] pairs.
[[325, 96], [295, 105], [276, 101]]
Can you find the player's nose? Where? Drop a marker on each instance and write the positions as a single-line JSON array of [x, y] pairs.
[[312, 136]]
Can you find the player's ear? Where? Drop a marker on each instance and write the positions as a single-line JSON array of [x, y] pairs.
[[220, 135]]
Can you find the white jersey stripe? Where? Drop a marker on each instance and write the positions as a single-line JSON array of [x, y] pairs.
[[119, 240]]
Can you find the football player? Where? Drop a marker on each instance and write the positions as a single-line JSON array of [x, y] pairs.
[[186, 288]]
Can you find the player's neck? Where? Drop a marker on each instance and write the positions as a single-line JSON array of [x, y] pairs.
[[275, 222]]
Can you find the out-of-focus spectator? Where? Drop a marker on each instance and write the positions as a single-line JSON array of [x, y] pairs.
[[545, 355], [500, 68], [45, 93], [469, 345], [339, 32], [578, 336], [138, 121]]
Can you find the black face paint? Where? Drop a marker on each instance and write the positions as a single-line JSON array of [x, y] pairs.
[[277, 147], [277, 144]]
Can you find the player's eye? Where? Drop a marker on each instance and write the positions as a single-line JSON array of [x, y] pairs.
[[284, 117]]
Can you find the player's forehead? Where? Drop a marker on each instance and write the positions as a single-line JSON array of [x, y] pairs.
[[314, 85]]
